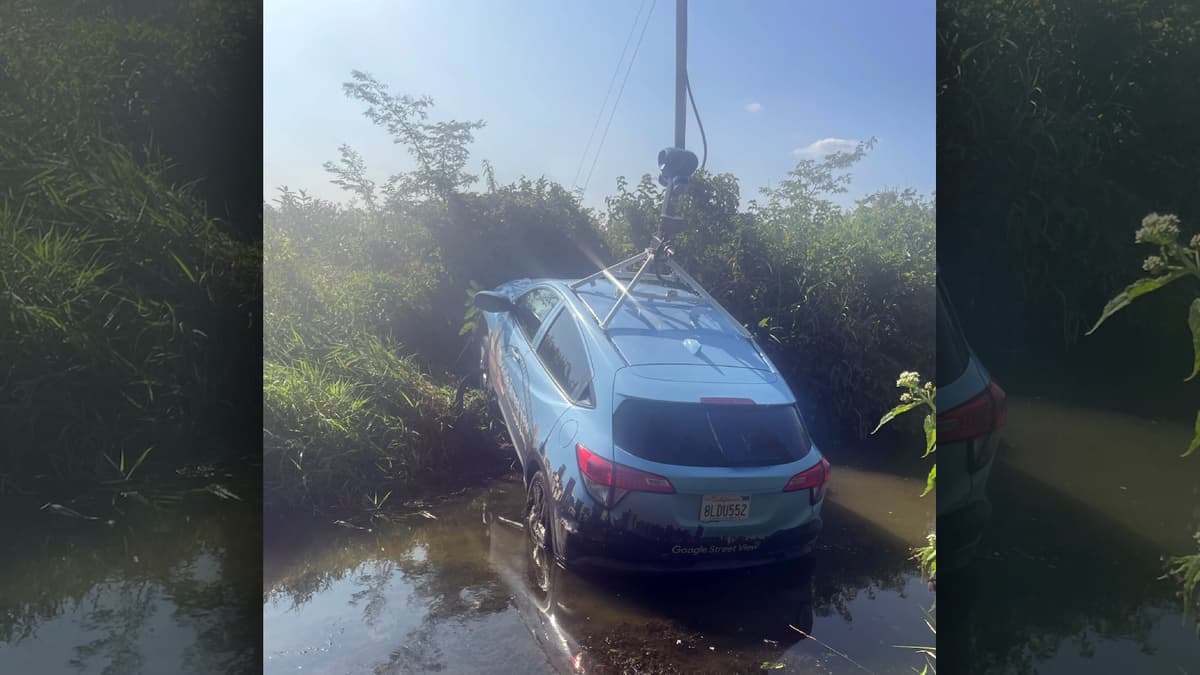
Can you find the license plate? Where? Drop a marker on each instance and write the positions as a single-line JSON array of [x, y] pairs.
[[724, 507]]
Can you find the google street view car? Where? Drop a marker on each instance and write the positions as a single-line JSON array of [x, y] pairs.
[[653, 431]]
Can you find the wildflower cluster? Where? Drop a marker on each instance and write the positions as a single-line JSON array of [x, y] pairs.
[[1158, 229], [1163, 231]]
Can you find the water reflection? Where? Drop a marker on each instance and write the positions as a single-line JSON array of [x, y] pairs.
[[159, 592], [1066, 575], [461, 594]]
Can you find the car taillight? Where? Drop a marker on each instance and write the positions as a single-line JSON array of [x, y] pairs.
[[813, 478], [978, 417], [607, 482]]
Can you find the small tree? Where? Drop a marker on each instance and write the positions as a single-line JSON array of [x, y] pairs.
[[440, 148]]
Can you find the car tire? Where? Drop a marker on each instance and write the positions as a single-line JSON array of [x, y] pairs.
[[539, 529]]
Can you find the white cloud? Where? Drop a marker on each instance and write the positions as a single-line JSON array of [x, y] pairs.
[[753, 107], [826, 146]]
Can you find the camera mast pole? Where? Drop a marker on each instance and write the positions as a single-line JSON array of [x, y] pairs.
[[676, 165], [680, 73]]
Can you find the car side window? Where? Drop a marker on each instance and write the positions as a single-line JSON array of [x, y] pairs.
[[563, 353], [533, 308]]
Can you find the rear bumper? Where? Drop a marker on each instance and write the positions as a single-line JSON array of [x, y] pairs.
[[609, 548]]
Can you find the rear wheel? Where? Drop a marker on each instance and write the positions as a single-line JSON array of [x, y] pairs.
[[539, 534]]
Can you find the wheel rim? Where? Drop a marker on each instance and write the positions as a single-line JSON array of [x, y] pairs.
[[537, 525]]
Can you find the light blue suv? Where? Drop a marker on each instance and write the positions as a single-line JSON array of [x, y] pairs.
[[653, 432]]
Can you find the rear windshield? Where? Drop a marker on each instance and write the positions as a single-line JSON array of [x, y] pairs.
[[952, 353], [695, 434]]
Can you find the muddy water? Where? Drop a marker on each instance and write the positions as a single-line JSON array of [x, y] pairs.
[[158, 591], [1065, 580], [458, 594]]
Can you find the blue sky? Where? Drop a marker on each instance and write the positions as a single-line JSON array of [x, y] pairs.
[[772, 80]]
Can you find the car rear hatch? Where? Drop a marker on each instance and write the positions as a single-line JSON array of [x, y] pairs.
[[727, 458]]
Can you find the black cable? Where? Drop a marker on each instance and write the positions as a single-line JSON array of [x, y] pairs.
[[703, 139], [613, 113]]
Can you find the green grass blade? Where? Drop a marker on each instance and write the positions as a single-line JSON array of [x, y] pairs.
[[1195, 444], [1194, 324], [183, 266], [930, 481], [139, 461]]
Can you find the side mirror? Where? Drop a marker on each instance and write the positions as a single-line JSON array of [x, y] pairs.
[[493, 302]]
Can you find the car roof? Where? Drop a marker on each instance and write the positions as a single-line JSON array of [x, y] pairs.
[[659, 324]]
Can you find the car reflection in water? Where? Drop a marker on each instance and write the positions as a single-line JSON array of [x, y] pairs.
[[771, 607]]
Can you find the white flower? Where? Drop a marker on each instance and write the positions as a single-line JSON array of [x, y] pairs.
[[909, 379], [1154, 264], [1158, 229]]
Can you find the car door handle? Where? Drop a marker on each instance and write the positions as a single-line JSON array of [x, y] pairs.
[[513, 352]]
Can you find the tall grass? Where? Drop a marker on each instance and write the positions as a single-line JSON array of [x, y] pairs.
[[358, 422], [128, 314], [347, 416], [124, 311]]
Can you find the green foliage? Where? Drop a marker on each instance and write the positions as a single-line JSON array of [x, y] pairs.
[[918, 395], [128, 314], [1058, 124], [359, 420], [1186, 570], [345, 417], [139, 73], [441, 149], [123, 309], [1174, 261]]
